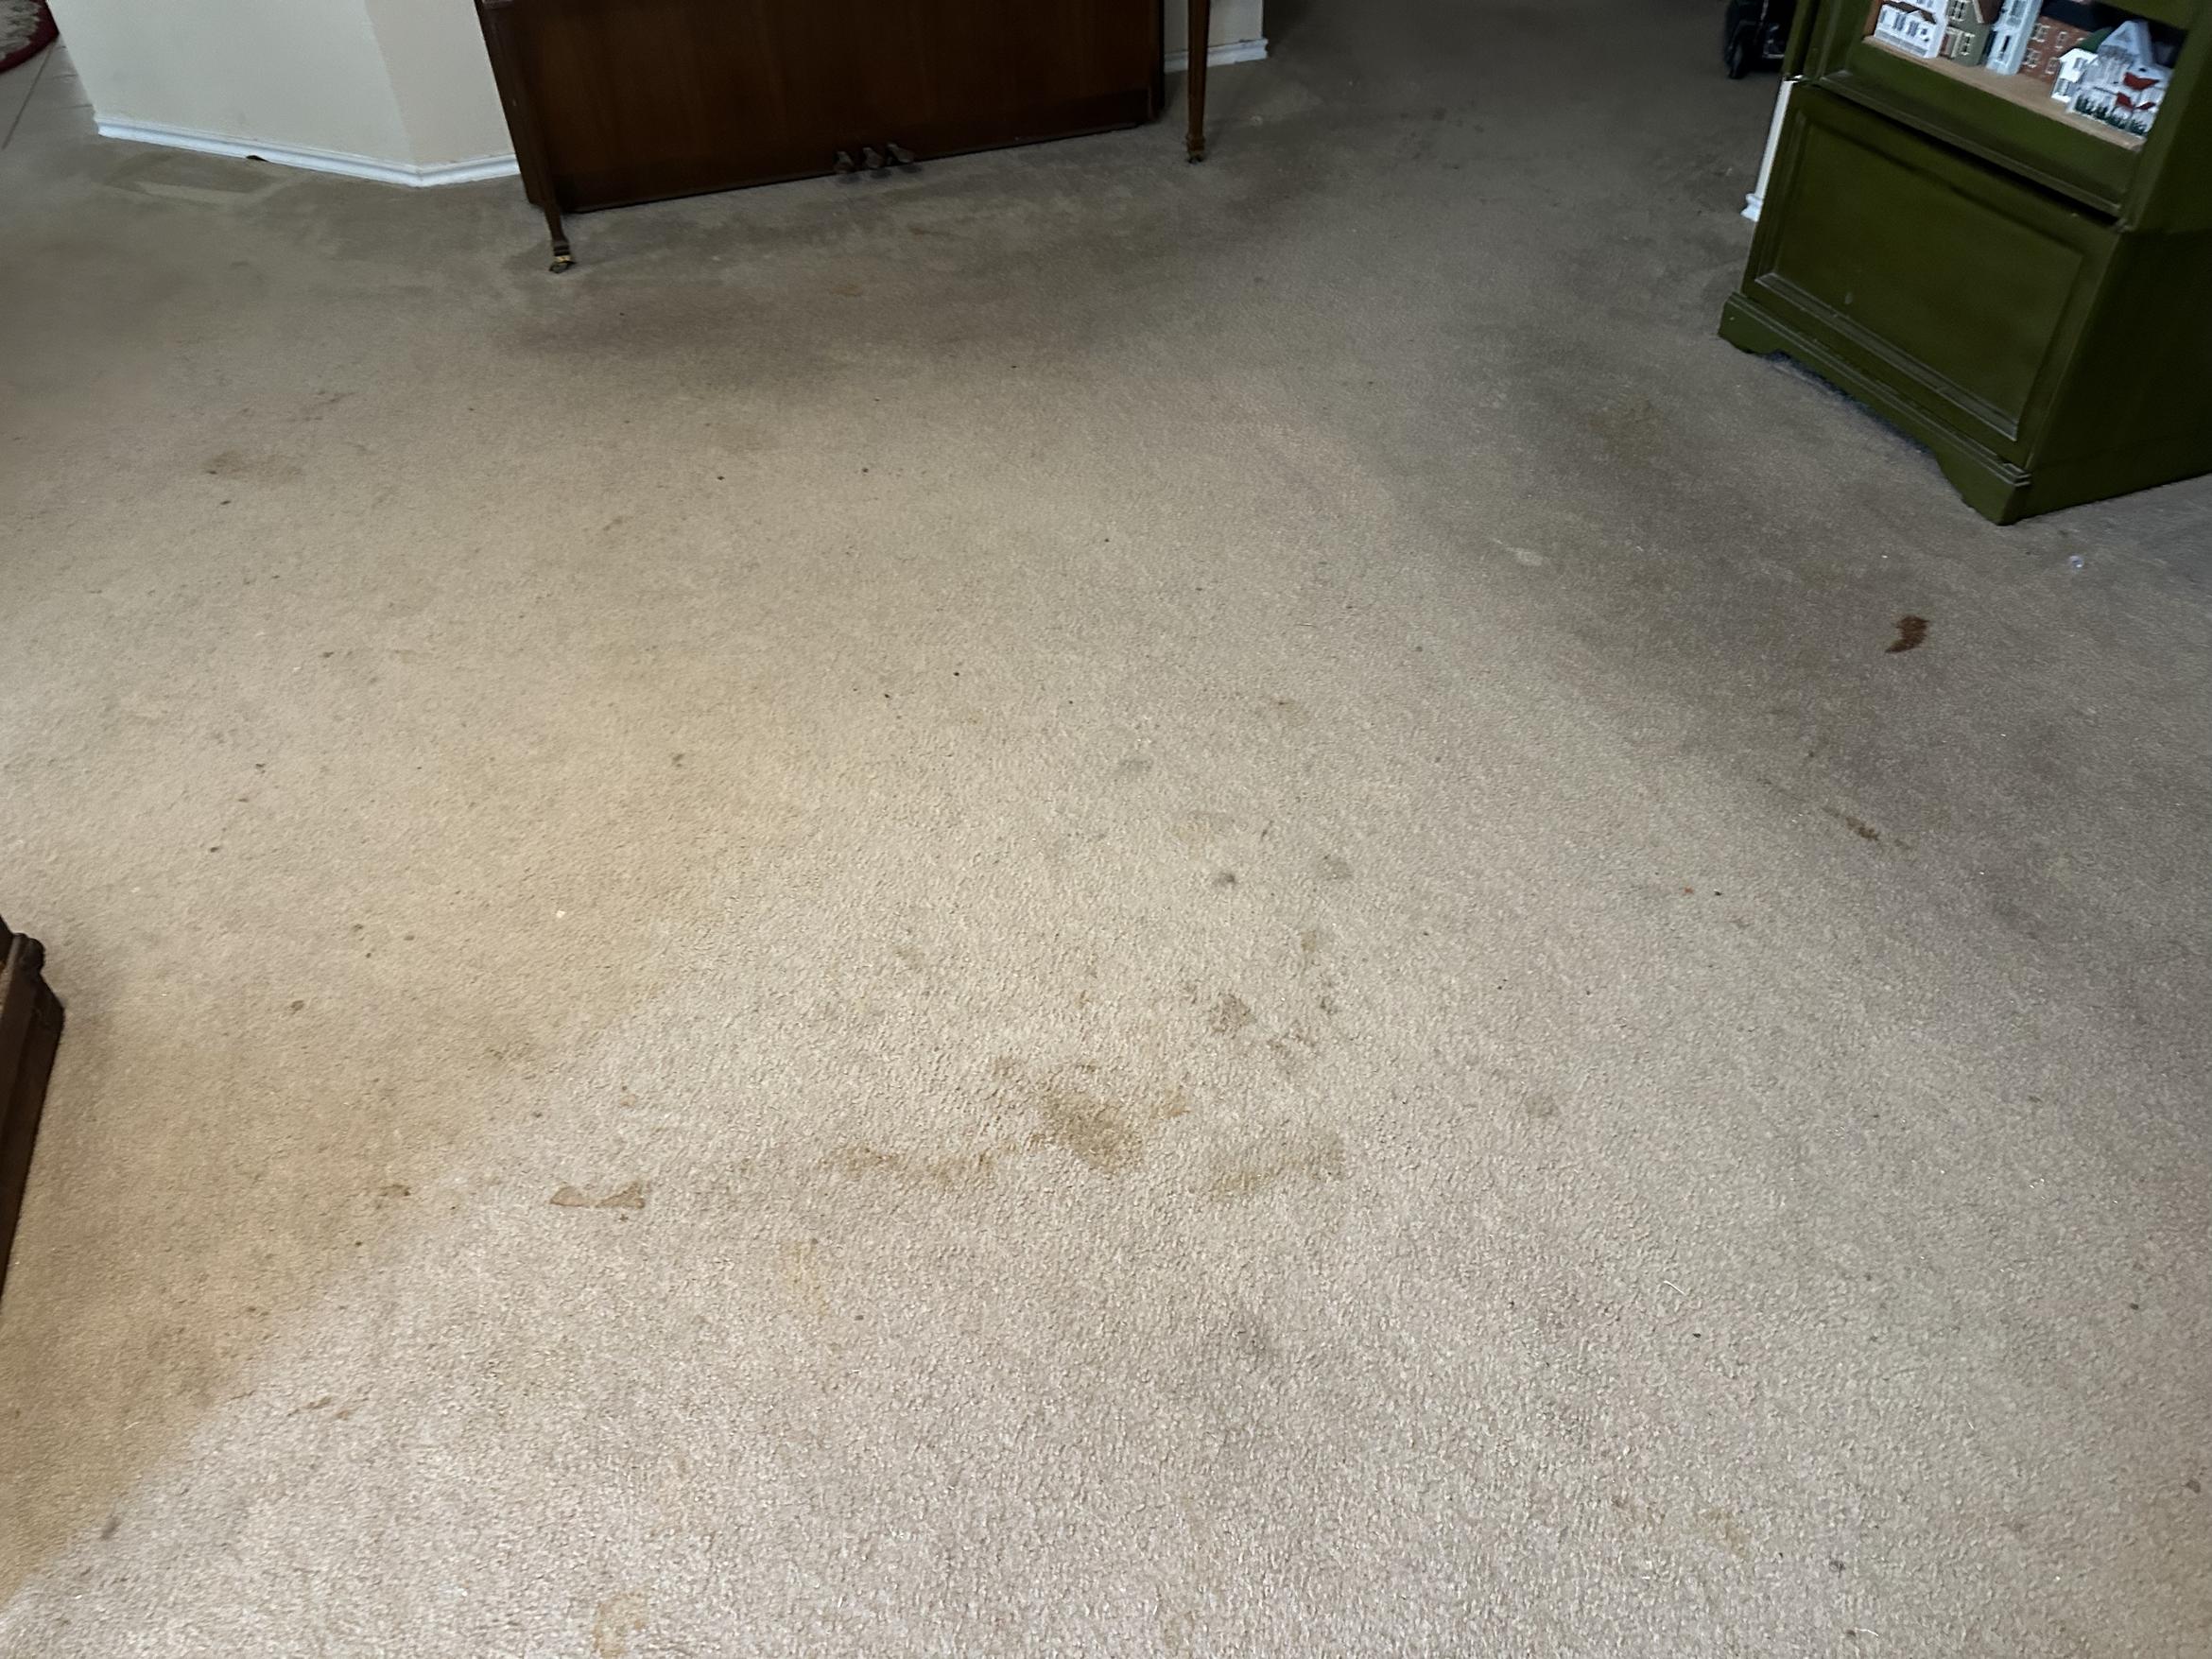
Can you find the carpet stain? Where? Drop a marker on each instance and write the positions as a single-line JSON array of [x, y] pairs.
[[1098, 1131], [631, 1197], [618, 1619], [1229, 1015], [1857, 826], [1310, 1161], [1912, 632], [239, 463], [799, 1264], [1724, 1528], [945, 1174], [1332, 866]]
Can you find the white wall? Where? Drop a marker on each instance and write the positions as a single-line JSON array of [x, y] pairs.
[[1234, 22], [442, 78], [297, 74], [400, 86]]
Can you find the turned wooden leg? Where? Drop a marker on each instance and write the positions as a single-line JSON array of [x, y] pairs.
[[522, 125], [1202, 34]]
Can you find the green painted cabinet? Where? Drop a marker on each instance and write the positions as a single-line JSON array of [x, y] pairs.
[[2027, 295]]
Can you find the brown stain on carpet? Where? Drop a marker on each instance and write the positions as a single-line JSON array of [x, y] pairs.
[[250, 464], [617, 1619], [1229, 1015], [1099, 1133], [1101, 1130], [1857, 826], [1911, 633], [950, 1173], [631, 1197], [799, 1264], [1310, 1161], [1722, 1526]]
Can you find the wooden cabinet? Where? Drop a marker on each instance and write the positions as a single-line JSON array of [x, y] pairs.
[[30, 1029], [615, 101], [2017, 289]]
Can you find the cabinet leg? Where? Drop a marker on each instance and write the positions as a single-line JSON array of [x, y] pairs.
[[1202, 34]]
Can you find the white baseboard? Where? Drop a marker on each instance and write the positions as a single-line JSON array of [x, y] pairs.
[[316, 160], [1230, 52], [352, 167]]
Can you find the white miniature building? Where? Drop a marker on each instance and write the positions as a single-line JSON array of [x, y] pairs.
[[2123, 83], [2008, 41], [1911, 27], [2072, 67]]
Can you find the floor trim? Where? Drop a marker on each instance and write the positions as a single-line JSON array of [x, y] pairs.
[[317, 161], [352, 167], [1231, 52]]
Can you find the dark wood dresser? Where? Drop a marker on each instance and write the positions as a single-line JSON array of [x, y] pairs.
[[617, 101]]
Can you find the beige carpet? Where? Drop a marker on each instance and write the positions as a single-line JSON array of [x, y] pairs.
[[1079, 905]]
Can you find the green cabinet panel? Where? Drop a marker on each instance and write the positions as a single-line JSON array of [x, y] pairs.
[[2026, 298], [1959, 274]]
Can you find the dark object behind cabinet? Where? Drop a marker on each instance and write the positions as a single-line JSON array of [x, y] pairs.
[[615, 101], [30, 1029]]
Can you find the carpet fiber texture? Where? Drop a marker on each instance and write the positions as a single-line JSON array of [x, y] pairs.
[[1080, 906]]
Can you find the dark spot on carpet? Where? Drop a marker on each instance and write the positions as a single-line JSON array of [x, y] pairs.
[[1911, 631], [631, 1197], [1096, 1132]]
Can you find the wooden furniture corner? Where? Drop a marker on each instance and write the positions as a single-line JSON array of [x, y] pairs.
[[30, 1030]]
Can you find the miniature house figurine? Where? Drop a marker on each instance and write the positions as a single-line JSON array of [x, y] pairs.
[[1967, 38], [1911, 26], [2123, 85], [2063, 26], [2008, 40], [2072, 68]]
